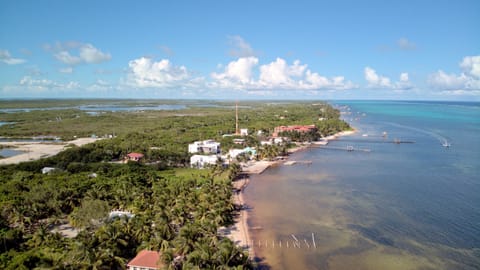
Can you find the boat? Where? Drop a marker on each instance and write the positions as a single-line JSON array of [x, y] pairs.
[[446, 144]]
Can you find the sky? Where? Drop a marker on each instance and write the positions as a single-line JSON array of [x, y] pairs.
[[249, 49]]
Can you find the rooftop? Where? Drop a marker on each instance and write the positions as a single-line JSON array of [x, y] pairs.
[[146, 259]]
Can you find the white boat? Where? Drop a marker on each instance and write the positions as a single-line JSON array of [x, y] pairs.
[[446, 144]]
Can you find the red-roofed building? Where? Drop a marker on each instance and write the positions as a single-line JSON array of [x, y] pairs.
[[296, 128], [134, 157], [145, 260]]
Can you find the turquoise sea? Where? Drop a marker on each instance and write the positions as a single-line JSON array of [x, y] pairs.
[[399, 206]]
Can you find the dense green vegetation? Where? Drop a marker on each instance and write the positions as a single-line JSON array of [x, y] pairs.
[[177, 210]]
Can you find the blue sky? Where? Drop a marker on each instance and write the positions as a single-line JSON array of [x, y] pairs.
[[240, 49]]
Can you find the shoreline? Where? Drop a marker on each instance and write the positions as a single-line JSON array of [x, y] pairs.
[[37, 150], [239, 232]]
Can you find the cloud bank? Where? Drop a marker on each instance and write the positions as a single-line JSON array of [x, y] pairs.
[[276, 75], [467, 82]]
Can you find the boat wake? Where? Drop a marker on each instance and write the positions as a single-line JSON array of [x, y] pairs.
[[444, 141]]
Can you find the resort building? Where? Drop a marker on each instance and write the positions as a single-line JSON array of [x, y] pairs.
[[145, 260], [207, 147], [244, 131], [295, 128], [134, 157], [200, 161]]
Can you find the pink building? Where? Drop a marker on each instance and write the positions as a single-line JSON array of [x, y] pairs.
[[296, 128], [134, 157], [145, 260]]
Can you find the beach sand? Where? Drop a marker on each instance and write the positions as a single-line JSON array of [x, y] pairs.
[[38, 150], [239, 232]]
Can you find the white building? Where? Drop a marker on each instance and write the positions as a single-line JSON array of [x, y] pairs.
[[47, 170], [119, 214], [207, 147], [277, 140], [200, 161], [244, 131], [233, 153]]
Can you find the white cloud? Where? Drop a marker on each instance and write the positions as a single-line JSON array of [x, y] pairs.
[[445, 81], [144, 73], [68, 59], [471, 66], [376, 81], [467, 81], [277, 75], [280, 74], [6, 58], [314, 81], [45, 84], [406, 45], [92, 55], [237, 74], [87, 53], [240, 48]]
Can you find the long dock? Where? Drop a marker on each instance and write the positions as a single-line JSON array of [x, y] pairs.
[[396, 141], [348, 148], [293, 162]]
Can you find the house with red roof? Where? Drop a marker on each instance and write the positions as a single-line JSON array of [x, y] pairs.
[[134, 157], [145, 260]]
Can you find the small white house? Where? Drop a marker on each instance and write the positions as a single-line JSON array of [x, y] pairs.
[[207, 147], [244, 131], [200, 161], [47, 170], [233, 153], [119, 214]]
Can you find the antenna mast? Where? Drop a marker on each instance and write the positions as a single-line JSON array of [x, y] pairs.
[[236, 118]]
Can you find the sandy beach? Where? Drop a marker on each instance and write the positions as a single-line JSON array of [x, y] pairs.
[[37, 150], [239, 232]]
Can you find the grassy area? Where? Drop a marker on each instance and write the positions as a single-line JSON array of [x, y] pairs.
[[197, 121]]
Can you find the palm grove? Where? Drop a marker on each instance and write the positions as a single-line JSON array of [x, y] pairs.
[[177, 210]]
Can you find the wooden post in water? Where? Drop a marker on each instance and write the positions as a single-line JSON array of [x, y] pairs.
[[296, 242], [313, 241]]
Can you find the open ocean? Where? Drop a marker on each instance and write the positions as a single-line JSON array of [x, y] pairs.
[[399, 206]]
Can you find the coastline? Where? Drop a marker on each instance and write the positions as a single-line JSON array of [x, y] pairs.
[[239, 232], [38, 150]]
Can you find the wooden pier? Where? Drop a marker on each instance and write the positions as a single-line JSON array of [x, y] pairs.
[[289, 243], [293, 162], [348, 148]]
